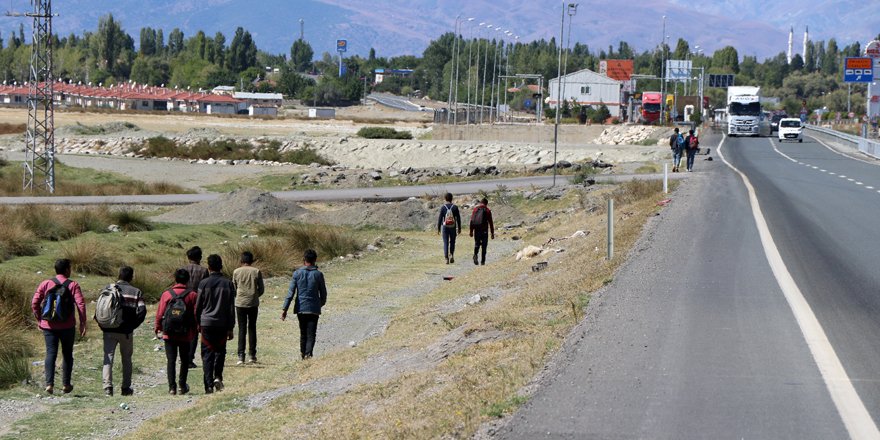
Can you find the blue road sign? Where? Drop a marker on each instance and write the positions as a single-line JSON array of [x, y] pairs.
[[858, 69], [341, 45]]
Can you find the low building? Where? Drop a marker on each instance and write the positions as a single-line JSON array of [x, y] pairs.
[[322, 113], [262, 110], [586, 87], [381, 74], [262, 99], [218, 104]]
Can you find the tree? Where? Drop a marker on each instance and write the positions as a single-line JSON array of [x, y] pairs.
[[797, 63], [109, 42], [682, 48], [829, 62], [301, 55], [242, 51], [219, 49], [175, 42], [726, 59], [291, 83]]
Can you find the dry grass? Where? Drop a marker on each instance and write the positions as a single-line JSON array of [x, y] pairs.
[[328, 241], [15, 298], [6, 128], [91, 256], [273, 256], [16, 240], [14, 351]]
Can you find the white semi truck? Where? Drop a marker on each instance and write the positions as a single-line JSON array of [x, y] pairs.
[[744, 115]]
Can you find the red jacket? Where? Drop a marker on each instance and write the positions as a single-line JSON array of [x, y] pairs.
[[79, 305], [487, 225], [190, 300]]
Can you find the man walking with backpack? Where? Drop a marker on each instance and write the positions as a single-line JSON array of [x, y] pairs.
[[120, 309], [481, 228], [693, 145], [176, 320], [676, 143], [197, 273], [248, 281], [215, 313], [53, 305], [449, 224], [308, 292]]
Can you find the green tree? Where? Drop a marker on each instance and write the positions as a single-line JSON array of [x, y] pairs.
[[726, 59], [301, 55], [175, 42]]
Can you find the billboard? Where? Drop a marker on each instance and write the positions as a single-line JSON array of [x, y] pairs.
[[341, 45], [858, 69], [678, 70], [620, 70]]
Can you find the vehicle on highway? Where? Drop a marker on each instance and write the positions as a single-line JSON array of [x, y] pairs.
[[790, 129], [650, 107], [774, 121], [745, 117]]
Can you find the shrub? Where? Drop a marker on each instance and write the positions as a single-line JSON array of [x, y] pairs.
[[305, 156], [583, 175], [329, 242], [14, 351], [383, 133], [271, 255], [85, 220], [637, 189], [152, 283], [45, 222], [92, 257], [159, 146], [16, 240], [131, 221], [15, 298]]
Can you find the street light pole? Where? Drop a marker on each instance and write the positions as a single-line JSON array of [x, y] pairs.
[[451, 75], [663, 73], [572, 9]]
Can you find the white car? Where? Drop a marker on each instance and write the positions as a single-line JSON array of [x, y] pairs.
[[790, 129]]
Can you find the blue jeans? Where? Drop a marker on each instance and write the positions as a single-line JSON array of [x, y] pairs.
[[676, 157], [448, 241], [65, 338], [690, 158]]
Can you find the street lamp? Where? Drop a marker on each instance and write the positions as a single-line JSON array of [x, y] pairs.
[[572, 10], [451, 75]]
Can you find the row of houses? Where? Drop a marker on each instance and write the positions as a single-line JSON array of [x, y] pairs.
[[147, 98]]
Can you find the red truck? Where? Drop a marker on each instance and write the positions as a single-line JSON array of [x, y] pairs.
[[650, 107]]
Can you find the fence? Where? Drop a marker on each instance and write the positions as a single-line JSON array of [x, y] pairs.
[[845, 140]]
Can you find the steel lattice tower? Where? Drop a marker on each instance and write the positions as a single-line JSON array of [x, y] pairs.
[[39, 165]]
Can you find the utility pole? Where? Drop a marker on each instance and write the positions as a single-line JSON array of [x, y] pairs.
[[302, 29], [39, 165]]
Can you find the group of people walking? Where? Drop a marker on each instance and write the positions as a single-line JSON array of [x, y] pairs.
[[688, 145], [202, 305], [481, 228]]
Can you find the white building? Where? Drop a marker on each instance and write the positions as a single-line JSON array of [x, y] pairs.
[[262, 99], [587, 88]]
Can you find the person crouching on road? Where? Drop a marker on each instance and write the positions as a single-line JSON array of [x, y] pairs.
[[176, 321], [53, 306], [134, 311], [215, 313], [308, 292], [249, 288]]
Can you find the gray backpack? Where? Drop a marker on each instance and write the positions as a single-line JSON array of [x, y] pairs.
[[108, 310]]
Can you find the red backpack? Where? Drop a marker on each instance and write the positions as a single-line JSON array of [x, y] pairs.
[[693, 143]]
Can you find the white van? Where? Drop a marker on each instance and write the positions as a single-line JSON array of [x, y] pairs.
[[790, 129]]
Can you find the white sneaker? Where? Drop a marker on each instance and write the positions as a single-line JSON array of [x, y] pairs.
[[218, 384]]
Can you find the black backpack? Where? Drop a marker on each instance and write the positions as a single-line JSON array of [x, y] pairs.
[[176, 320], [478, 218], [57, 305]]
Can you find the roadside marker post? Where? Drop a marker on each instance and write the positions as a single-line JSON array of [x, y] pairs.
[[665, 178], [610, 229]]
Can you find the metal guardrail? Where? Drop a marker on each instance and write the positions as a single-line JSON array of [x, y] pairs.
[[867, 146]]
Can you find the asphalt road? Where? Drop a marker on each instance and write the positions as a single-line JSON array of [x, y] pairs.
[[695, 339], [394, 102]]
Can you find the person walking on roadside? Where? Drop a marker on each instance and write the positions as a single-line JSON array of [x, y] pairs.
[[53, 305], [197, 273], [676, 143], [481, 228], [134, 311], [692, 143], [176, 321], [449, 225], [308, 292], [215, 314], [248, 281]]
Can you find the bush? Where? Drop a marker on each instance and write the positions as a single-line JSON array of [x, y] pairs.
[[153, 283], [131, 221], [383, 133], [15, 298], [583, 175], [305, 156], [16, 240], [85, 220], [14, 351], [91, 257], [271, 255], [329, 242], [45, 222]]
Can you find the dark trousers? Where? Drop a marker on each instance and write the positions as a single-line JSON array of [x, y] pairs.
[[247, 327], [172, 349], [448, 241], [481, 241], [308, 330], [213, 354], [690, 158], [65, 338], [193, 346]]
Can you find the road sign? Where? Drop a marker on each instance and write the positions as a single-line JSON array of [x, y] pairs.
[[341, 45], [719, 80], [858, 69], [872, 50], [678, 70]]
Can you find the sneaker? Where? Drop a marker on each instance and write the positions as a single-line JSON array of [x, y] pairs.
[[50, 389], [108, 392], [240, 361], [127, 391], [209, 390], [218, 384], [193, 365], [67, 389], [475, 260], [172, 391], [184, 389], [447, 260], [451, 259], [252, 360]]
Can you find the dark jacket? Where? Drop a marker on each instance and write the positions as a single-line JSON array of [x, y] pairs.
[[673, 142], [215, 306], [455, 214], [190, 301], [687, 142], [196, 274], [134, 310], [488, 225], [308, 286]]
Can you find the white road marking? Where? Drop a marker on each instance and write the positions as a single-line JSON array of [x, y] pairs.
[[869, 187], [859, 183], [852, 410]]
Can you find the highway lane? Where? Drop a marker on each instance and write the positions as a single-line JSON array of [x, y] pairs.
[[694, 338], [394, 101], [822, 209]]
